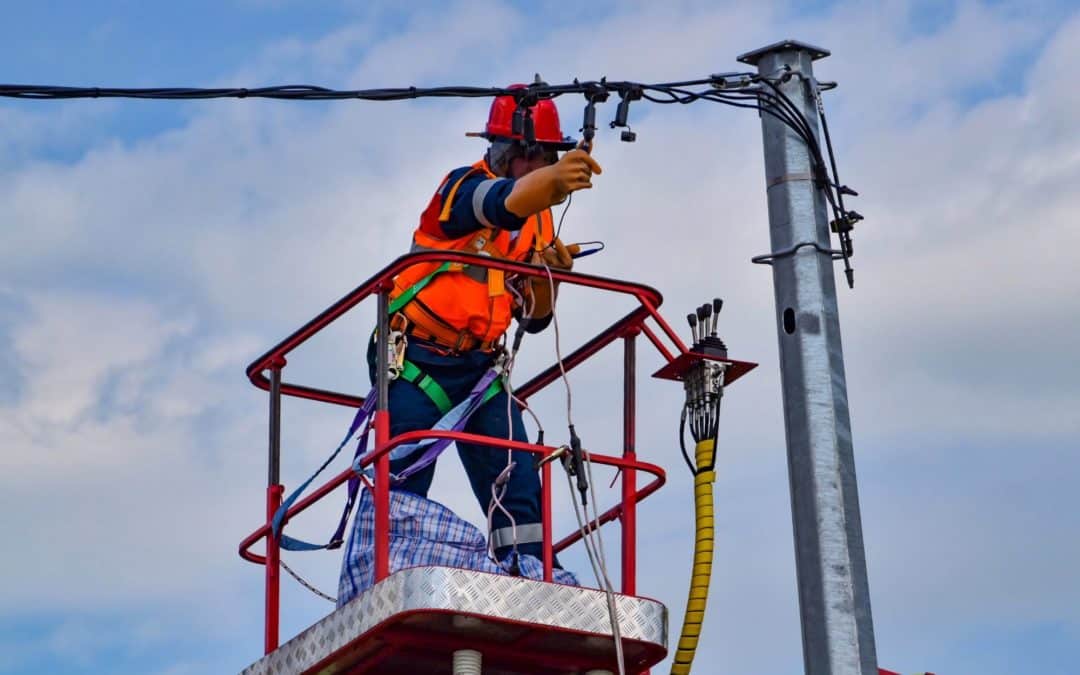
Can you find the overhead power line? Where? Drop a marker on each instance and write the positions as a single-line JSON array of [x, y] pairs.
[[736, 89]]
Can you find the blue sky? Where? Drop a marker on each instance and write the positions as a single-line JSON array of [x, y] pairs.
[[150, 250]]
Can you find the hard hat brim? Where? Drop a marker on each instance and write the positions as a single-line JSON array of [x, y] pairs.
[[566, 143]]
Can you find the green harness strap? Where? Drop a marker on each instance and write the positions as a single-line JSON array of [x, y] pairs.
[[492, 389], [407, 297], [411, 372]]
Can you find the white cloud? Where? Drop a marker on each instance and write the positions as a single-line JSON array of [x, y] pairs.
[[74, 343]]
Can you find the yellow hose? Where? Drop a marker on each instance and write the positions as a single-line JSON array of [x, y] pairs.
[[703, 554]]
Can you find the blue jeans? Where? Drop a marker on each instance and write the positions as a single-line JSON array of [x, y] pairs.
[[411, 409]]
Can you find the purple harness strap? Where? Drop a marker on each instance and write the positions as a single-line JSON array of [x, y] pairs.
[[454, 420], [362, 415]]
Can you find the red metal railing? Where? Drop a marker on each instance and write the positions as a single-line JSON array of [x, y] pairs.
[[627, 328]]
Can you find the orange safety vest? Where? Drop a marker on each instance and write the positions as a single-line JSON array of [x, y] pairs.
[[464, 306]]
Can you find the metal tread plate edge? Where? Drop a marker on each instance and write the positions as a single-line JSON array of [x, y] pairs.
[[469, 592]]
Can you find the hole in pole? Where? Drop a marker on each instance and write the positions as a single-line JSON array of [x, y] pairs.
[[789, 321]]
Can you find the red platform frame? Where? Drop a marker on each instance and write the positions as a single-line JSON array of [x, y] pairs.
[[627, 328]]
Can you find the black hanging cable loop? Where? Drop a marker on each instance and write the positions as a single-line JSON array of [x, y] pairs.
[[682, 441]]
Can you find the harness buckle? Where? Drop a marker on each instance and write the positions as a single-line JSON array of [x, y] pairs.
[[396, 343], [460, 341], [502, 361]]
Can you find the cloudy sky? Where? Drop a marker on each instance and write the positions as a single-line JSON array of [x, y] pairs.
[[150, 250]]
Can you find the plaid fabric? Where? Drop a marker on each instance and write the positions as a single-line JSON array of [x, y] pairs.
[[422, 532]]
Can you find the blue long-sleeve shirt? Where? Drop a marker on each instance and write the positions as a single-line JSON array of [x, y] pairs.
[[478, 203]]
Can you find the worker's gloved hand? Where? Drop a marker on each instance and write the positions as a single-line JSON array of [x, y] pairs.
[[560, 255], [542, 289], [573, 172], [549, 185]]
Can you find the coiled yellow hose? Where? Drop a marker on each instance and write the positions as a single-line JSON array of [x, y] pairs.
[[703, 555]]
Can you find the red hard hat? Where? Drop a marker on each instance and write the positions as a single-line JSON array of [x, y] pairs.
[[545, 117]]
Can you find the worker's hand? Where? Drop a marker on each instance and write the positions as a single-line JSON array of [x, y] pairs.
[[560, 255], [573, 172], [550, 185], [542, 289]]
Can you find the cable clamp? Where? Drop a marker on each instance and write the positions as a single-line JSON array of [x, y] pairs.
[[769, 258], [787, 178], [732, 80], [846, 222], [502, 361]]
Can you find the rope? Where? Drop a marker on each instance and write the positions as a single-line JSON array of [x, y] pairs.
[[594, 550], [305, 584]]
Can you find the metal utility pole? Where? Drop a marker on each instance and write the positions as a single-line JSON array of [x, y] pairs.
[[834, 595]]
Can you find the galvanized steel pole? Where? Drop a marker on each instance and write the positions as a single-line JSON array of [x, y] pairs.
[[834, 596]]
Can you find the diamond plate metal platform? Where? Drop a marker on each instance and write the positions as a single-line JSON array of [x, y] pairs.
[[413, 621]]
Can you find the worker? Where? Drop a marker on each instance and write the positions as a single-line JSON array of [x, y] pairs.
[[455, 320]]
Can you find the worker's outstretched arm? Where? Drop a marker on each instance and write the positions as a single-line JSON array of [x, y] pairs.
[[550, 185]]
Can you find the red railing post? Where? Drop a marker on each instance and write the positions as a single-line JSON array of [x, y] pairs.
[[382, 497], [274, 491], [545, 520], [382, 438], [273, 571], [629, 475]]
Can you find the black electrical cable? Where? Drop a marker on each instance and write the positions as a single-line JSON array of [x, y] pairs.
[[682, 441], [673, 92], [834, 192], [750, 90], [841, 216], [704, 425], [845, 219], [323, 93], [569, 201], [782, 99]]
